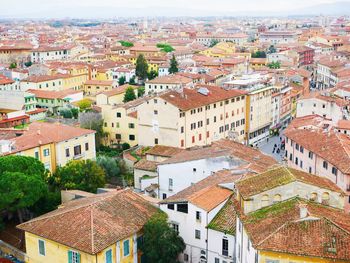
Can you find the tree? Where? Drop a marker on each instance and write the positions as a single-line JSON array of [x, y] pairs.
[[126, 43], [165, 47], [129, 94], [28, 64], [161, 243], [141, 67], [84, 104], [274, 65], [109, 165], [85, 175], [93, 121], [272, 49], [173, 65], [22, 184], [152, 74], [13, 65], [75, 113], [121, 80], [132, 80], [259, 54], [140, 91], [213, 43], [66, 113]]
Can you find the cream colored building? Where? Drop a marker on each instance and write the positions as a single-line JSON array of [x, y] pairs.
[[192, 117], [169, 82], [121, 123]]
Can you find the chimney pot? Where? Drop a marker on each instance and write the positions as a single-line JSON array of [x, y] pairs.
[[303, 211]]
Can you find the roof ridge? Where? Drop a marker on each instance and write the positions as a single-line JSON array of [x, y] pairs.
[[92, 230]]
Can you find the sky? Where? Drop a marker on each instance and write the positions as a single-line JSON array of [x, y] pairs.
[[52, 8]]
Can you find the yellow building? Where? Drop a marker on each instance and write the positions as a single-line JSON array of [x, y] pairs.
[[92, 87], [100, 228], [54, 144], [121, 123]]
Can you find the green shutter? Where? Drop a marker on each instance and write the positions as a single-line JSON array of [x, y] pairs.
[[70, 256], [78, 257], [109, 256]]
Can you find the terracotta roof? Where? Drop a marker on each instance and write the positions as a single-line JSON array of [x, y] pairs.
[[343, 124], [170, 79], [225, 219], [281, 176], [99, 82], [92, 224], [329, 145], [5, 80], [40, 133], [221, 177], [119, 90], [48, 94], [191, 98], [325, 232], [146, 165], [165, 151], [210, 197]]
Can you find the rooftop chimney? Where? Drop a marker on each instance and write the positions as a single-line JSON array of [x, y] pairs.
[[303, 211]]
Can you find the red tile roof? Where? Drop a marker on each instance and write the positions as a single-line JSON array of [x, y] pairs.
[[94, 223]]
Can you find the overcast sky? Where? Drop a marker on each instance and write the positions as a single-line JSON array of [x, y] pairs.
[[19, 7]]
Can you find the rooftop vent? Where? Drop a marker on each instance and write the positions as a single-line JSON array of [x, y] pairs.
[[203, 91]]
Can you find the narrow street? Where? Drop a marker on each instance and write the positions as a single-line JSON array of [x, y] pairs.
[[267, 147]]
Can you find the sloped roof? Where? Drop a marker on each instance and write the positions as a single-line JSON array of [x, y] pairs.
[[281, 176], [324, 233], [92, 224]]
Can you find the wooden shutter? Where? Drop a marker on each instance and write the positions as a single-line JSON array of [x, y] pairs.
[[70, 256]]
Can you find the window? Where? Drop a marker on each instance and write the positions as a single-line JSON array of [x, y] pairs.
[[119, 115], [198, 216], [311, 155], [46, 152], [36, 155], [175, 227], [310, 170], [296, 160], [225, 247], [197, 234], [170, 184], [186, 257], [193, 139], [132, 137], [164, 196], [183, 208], [171, 206], [67, 152], [109, 256], [73, 257], [325, 165], [77, 150], [334, 171], [217, 260], [182, 129], [301, 149], [118, 136], [155, 112], [156, 141], [126, 249], [41, 247], [131, 125], [86, 146]]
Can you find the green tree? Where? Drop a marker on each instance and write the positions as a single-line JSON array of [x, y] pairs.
[[66, 113], [22, 184], [85, 175], [140, 91], [109, 165], [173, 65], [161, 244], [121, 80], [274, 65], [213, 42], [165, 47], [75, 113], [13, 65], [93, 121], [141, 67], [84, 104], [152, 74], [129, 94], [259, 54], [28, 64], [132, 80], [126, 43]]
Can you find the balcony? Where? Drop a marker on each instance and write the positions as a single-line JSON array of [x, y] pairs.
[[78, 156]]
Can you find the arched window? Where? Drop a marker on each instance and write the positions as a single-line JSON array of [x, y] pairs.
[[325, 198], [313, 197], [277, 198], [265, 200]]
